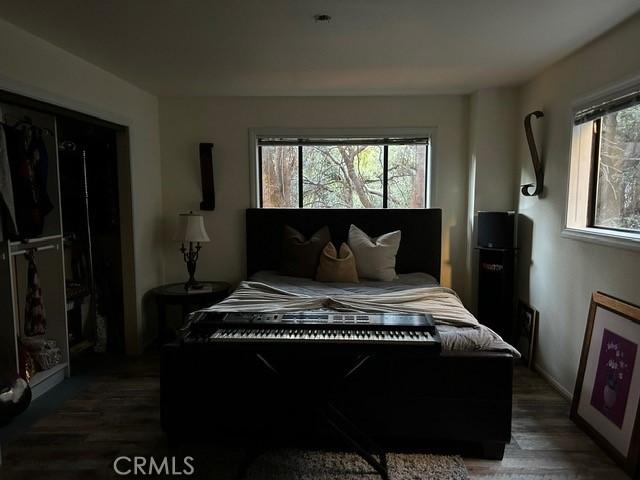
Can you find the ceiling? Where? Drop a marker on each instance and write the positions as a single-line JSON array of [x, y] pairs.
[[274, 47]]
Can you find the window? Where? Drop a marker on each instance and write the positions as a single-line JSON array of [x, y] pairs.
[[343, 172], [616, 194], [604, 179]]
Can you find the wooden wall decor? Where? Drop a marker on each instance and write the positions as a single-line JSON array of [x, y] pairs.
[[535, 158], [206, 173]]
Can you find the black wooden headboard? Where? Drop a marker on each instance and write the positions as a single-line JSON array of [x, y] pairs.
[[420, 246]]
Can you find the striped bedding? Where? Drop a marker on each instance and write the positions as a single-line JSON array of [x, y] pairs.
[[411, 293]]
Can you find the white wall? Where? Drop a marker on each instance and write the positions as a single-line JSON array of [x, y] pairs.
[[225, 121], [493, 133], [38, 69], [493, 130], [564, 272]]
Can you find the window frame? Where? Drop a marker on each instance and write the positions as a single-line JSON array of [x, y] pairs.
[[255, 134], [594, 170], [590, 232]]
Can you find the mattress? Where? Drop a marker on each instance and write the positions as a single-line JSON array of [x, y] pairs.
[[459, 330]]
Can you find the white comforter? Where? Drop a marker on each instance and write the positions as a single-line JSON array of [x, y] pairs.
[[420, 293]]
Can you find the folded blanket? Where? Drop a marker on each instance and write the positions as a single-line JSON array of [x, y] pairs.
[[441, 302]]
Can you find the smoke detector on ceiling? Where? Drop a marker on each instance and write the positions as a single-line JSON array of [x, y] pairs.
[[322, 17]]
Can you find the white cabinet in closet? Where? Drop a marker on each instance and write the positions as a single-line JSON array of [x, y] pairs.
[[48, 255]]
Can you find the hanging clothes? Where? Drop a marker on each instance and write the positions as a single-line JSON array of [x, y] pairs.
[[7, 209], [29, 163], [35, 319]]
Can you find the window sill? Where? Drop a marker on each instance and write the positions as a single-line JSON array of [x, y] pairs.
[[610, 238]]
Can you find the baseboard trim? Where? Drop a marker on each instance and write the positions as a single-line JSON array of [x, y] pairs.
[[553, 382]]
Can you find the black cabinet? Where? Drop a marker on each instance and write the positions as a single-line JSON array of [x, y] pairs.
[[496, 290]]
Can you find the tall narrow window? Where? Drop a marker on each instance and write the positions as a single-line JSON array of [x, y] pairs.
[[616, 200], [279, 165], [407, 176], [343, 173], [604, 180]]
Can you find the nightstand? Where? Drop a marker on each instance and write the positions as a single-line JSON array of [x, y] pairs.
[[190, 300]]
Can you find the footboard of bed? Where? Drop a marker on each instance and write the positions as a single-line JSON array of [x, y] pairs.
[[457, 401], [461, 401]]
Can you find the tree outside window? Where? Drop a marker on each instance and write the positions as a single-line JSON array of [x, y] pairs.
[[617, 195], [344, 175]]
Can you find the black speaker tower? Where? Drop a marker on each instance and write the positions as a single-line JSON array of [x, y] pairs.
[[497, 247]]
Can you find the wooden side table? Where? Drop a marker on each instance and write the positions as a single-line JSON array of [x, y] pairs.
[[190, 300]]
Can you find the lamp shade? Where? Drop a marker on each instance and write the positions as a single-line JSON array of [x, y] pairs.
[[191, 228]]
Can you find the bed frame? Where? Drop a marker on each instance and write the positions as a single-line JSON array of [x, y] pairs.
[[469, 394], [456, 402]]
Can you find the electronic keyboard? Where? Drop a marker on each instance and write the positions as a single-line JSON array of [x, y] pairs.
[[312, 327]]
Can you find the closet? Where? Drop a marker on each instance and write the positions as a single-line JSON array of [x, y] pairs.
[[61, 298], [91, 236]]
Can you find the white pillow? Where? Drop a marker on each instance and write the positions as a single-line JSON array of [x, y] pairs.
[[375, 257]]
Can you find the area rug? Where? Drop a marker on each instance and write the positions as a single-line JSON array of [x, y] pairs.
[[313, 465]]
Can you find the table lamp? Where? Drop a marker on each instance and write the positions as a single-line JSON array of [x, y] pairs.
[[191, 230]]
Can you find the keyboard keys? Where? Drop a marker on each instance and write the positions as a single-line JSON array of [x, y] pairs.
[[317, 335]]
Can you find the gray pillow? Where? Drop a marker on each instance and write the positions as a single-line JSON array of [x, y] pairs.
[[300, 255], [375, 257]]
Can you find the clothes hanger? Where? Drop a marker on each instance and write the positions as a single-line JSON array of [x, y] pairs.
[[22, 122]]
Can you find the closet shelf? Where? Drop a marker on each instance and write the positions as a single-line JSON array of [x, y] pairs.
[[41, 248], [48, 238], [40, 244], [44, 374], [37, 249]]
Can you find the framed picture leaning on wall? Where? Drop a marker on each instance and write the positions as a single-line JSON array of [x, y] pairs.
[[607, 393], [527, 320]]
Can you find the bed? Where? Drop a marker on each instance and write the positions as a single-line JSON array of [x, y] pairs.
[[458, 401]]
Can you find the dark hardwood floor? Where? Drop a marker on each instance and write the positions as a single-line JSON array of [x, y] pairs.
[[117, 414], [545, 444]]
